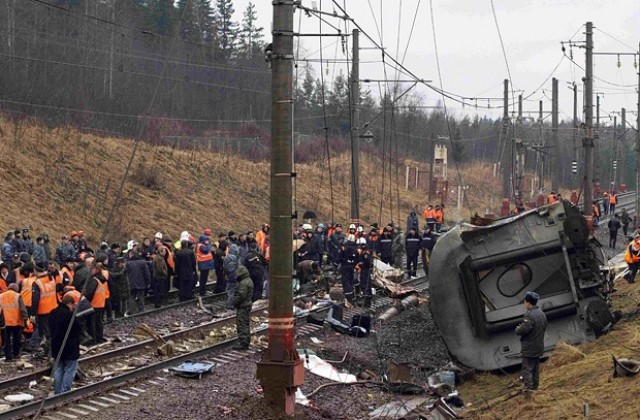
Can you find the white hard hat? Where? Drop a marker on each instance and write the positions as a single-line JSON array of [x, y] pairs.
[[360, 229], [351, 238], [361, 241], [158, 235], [307, 226], [184, 236], [352, 226]]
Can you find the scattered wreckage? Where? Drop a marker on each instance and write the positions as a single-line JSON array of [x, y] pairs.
[[480, 274]]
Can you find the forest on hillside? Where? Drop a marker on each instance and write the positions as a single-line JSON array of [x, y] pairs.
[[195, 70]]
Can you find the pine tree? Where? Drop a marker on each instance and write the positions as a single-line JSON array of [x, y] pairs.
[[160, 15], [197, 23], [226, 29], [251, 37]]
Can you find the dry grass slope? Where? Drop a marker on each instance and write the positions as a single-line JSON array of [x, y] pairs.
[[572, 376], [60, 179]]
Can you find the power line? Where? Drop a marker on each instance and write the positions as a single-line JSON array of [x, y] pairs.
[[137, 73], [146, 117], [444, 103], [172, 60]]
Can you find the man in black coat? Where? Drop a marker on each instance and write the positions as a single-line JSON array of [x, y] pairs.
[[218, 260], [531, 332], [427, 244], [139, 278], [185, 260], [256, 264], [385, 245], [413, 243], [59, 320]]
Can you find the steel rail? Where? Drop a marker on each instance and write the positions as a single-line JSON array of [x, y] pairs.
[[78, 393]]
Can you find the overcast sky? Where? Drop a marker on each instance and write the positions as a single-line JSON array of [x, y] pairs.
[[471, 58]]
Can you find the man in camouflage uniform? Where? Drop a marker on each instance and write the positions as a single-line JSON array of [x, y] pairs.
[[242, 300]]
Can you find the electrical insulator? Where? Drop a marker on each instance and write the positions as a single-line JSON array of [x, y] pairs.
[[618, 61], [574, 167], [615, 164]]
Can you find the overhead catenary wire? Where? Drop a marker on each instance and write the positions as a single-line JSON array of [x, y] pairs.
[[324, 121], [446, 115]]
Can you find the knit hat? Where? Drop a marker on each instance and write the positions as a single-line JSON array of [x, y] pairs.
[[531, 297]]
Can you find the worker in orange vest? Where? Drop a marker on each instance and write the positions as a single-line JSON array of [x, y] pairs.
[[13, 317], [632, 258], [4, 277], [96, 293], [430, 217], [613, 200], [43, 301], [262, 236], [204, 258], [552, 197], [67, 271], [439, 216]]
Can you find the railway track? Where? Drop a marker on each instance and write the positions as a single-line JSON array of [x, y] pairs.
[[218, 351]]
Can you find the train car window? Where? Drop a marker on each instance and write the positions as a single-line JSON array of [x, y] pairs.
[[514, 279]]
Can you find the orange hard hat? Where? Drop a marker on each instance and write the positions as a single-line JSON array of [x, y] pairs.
[[81, 233], [73, 233]]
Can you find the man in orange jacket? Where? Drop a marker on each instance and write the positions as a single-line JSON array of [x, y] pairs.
[[632, 258], [13, 317], [43, 301]]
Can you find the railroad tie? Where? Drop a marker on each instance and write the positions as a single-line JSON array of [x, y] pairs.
[[88, 407], [66, 415], [129, 393], [138, 390], [77, 411], [100, 404], [122, 397], [109, 400], [221, 361]]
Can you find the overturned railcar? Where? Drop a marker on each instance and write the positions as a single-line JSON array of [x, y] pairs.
[[479, 277]]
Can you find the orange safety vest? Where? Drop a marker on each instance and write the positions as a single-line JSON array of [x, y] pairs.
[[596, 210], [65, 272], [10, 307], [631, 255], [105, 274], [613, 199], [3, 286], [201, 256], [100, 296], [261, 239], [551, 198], [170, 262], [429, 214], [26, 290], [48, 300], [74, 294], [439, 215]]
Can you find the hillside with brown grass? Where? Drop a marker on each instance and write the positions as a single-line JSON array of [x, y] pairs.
[[572, 377], [59, 179]]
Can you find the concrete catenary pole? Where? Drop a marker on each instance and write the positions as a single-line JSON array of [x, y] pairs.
[[587, 139], [506, 154], [614, 178], [637, 214], [554, 168], [622, 154], [355, 127], [280, 371], [575, 135]]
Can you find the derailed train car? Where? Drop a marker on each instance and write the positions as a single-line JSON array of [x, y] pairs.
[[479, 277]]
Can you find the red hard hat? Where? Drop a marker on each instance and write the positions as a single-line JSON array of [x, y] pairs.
[[207, 232]]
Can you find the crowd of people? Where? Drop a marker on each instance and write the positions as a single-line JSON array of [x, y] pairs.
[[41, 285]]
